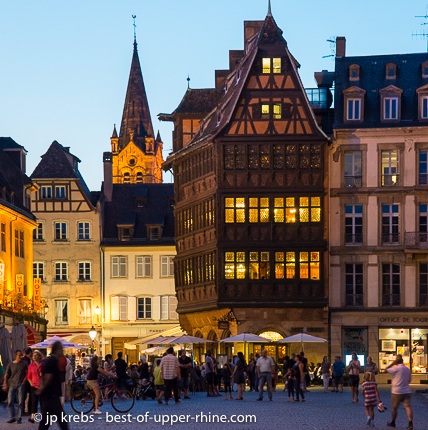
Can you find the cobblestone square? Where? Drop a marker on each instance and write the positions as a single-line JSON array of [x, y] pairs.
[[321, 411]]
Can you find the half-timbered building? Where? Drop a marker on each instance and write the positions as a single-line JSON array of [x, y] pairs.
[[66, 246], [249, 190]]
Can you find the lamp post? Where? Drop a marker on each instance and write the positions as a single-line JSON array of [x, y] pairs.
[[92, 334]]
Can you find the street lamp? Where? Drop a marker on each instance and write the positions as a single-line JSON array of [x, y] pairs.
[[92, 334]]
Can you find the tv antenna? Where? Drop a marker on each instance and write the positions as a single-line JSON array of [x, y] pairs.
[[422, 33], [135, 27], [332, 41]]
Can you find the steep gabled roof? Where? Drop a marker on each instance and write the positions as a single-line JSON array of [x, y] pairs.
[[54, 164], [136, 114], [9, 143]]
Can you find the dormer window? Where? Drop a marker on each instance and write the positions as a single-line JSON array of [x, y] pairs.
[[354, 104], [391, 71], [354, 72], [271, 65], [154, 232], [425, 69], [125, 233], [390, 103], [422, 102]]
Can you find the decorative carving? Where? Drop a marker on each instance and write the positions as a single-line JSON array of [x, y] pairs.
[[409, 144]]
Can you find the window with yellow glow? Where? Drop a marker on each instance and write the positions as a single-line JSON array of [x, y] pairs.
[[265, 111], [259, 209], [279, 265], [259, 265], [277, 111], [315, 209], [290, 260], [304, 209], [234, 265], [234, 209], [290, 211], [271, 335], [266, 65], [276, 62], [310, 265], [278, 211]]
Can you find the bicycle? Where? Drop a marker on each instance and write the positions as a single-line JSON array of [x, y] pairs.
[[83, 400]]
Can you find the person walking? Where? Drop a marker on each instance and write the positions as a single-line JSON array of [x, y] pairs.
[[371, 367], [400, 390], [209, 374], [185, 366], [50, 390], [170, 373], [159, 382], [28, 357], [338, 368], [14, 385], [371, 397], [354, 377], [121, 366], [33, 377], [92, 381], [325, 372], [298, 376], [265, 371], [238, 375]]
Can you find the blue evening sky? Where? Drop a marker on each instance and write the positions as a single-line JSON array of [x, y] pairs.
[[65, 64]]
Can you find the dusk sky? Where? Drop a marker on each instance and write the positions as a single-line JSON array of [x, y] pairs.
[[65, 65]]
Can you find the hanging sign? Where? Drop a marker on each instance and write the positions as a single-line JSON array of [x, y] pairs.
[[223, 325], [37, 284], [1, 283], [19, 291]]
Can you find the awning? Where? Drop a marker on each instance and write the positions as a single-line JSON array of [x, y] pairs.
[[33, 336], [174, 331]]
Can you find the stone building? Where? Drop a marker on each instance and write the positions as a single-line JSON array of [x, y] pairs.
[[66, 246], [378, 209], [137, 244], [248, 164], [19, 292]]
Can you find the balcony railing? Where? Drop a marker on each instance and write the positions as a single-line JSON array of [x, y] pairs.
[[391, 300], [354, 239], [389, 180], [353, 181], [391, 238], [416, 240], [354, 300]]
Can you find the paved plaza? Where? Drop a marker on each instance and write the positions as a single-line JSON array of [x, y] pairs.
[[320, 412]]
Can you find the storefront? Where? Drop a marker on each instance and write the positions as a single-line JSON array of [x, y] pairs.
[[382, 337]]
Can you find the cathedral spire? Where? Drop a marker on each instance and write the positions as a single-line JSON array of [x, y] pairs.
[[136, 114], [269, 9]]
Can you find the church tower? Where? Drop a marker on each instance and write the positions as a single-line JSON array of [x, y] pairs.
[[136, 152]]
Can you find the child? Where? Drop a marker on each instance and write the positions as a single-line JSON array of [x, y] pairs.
[[226, 376], [371, 394]]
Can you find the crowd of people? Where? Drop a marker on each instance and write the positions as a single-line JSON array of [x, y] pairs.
[[33, 379]]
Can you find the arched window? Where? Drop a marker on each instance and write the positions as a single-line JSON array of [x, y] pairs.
[[139, 176], [126, 178]]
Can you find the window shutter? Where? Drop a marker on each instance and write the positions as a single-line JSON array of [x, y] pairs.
[[122, 272], [257, 112], [114, 308], [164, 266], [148, 267], [171, 266], [132, 308], [172, 308], [115, 267], [164, 307], [123, 308], [156, 308], [140, 267]]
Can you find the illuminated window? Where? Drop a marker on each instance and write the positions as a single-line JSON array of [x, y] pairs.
[[290, 210], [271, 335], [276, 65], [276, 111], [389, 168], [279, 265], [265, 111], [234, 209], [304, 265], [234, 265], [315, 265], [304, 209], [290, 259], [310, 265], [278, 211], [259, 209], [315, 209], [266, 65], [259, 265]]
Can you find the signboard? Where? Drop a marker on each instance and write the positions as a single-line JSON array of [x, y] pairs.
[[223, 325], [37, 284], [19, 291], [1, 283]]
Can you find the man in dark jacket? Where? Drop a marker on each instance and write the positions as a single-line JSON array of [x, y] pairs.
[[121, 370]]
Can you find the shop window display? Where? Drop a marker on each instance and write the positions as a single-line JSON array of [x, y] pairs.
[[410, 343]]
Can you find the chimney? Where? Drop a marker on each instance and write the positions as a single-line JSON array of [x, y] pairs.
[[340, 47], [108, 177], [250, 29]]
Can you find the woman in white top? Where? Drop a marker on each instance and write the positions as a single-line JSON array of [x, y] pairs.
[[354, 377]]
